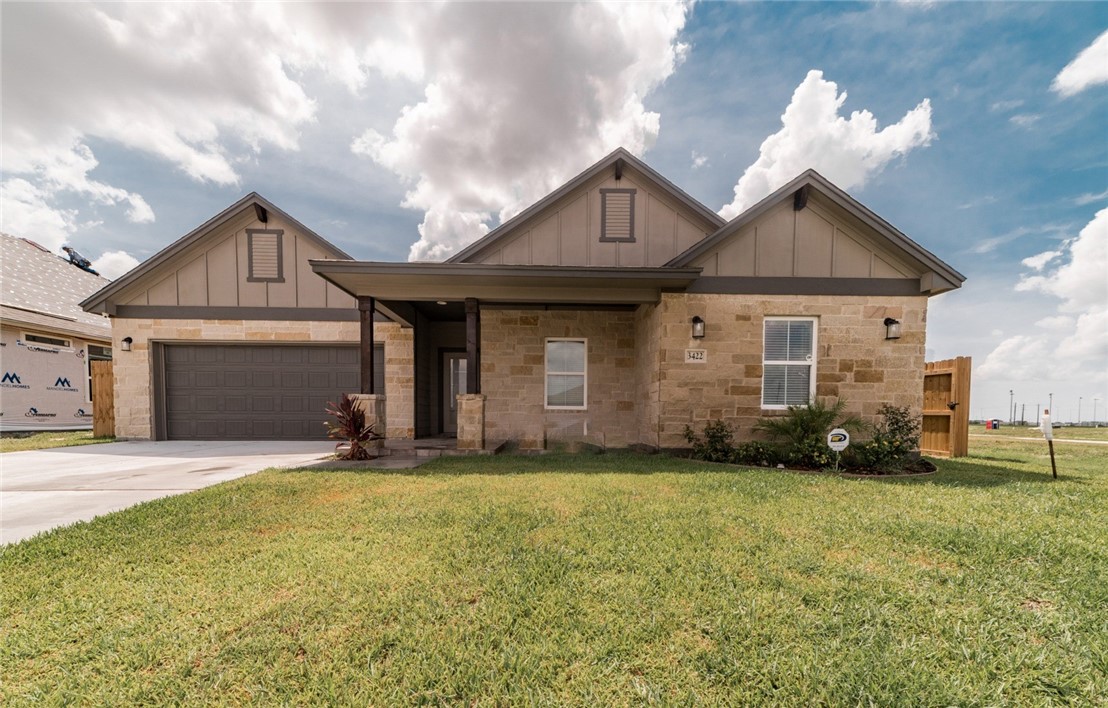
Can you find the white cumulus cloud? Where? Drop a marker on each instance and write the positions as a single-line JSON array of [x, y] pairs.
[[564, 87], [113, 264], [1089, 68], [1076, 344], [814, 135], [1039, 260]]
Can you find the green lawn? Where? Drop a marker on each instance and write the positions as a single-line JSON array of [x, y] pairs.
[[589, 580], [17, 442]]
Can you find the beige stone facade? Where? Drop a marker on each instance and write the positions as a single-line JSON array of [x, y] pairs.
[[854, 360], [134, 370], [641, 391], [513, 376]]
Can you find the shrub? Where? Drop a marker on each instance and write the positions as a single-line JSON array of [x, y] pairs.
[[894, 444], [803, 432], [349, 427], [718, 444], [757, 454]]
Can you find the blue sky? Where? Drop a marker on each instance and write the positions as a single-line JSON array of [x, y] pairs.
[[116, 140]]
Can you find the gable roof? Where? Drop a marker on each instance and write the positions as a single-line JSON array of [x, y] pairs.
[[41, 289], [250, 201], [605, 163], [812, 179]]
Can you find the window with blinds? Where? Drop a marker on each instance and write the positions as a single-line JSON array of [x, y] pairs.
[[264, 255], [788, 361], [567, 374], [617, 215]]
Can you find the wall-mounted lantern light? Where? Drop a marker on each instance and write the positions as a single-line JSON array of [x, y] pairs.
[[126, 343], [697, 327], [892, 328]]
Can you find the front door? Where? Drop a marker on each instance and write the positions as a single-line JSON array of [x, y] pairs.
[[453, 383]]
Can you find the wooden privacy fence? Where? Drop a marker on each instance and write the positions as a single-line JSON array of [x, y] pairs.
[[103, 399], [946, 406]]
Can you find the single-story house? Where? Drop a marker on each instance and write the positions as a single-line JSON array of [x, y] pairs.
[[47, 342], [615, 310]]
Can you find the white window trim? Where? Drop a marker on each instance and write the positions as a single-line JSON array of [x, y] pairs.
[[68, 342], [547, 373], [812, 363]]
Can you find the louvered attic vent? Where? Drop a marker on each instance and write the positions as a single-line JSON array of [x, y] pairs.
[[265, 260], [617, 215]]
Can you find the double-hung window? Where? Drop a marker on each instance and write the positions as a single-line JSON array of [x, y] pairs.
[[788, 361], [566, 373]]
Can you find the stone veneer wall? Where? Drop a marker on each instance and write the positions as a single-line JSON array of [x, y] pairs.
[[513, 370], [854, 361], [134, 370]]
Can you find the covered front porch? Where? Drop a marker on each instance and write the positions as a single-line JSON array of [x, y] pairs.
[[480, 338]]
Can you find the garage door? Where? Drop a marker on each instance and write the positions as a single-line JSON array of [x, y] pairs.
[[257, 392]]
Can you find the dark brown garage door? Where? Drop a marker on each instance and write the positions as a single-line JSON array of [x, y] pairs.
[[256, 392]]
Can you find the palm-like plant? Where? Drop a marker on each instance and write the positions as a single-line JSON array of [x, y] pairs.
[[350, 429], [803, 424]]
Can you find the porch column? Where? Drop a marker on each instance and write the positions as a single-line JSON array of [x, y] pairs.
[[473, 346], [366, 306]]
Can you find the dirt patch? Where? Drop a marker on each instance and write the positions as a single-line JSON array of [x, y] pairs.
[[1033, 605]]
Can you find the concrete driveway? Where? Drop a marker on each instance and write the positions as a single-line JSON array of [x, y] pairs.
[[42, 489]]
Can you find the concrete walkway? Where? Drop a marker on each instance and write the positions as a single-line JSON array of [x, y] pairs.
[[42, 489]]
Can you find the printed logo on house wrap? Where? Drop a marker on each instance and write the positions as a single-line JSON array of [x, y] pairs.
[[62, 384], [36, 348], [82, 414], [11, 380], [33, 413]]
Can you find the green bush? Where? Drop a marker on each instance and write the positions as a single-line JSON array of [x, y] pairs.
[[717, 445], [757, 454], [894, 445]]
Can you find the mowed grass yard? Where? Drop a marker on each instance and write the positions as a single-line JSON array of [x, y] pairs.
[[596, 580], [18, 442]]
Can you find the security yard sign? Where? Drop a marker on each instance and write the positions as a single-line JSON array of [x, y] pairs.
[[838, 439]]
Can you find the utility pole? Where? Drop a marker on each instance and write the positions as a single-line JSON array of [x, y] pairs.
[[1023, 414], [1094, 410], [1038, 420], [1050, 406], [1011, 406], [1079, 410]]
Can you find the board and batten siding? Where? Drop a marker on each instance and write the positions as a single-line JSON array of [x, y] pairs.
[[568, 232], [215, 273], [814, 242]]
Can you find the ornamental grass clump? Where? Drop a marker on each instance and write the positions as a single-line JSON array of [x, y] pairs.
[[351, 430], [802, 432]]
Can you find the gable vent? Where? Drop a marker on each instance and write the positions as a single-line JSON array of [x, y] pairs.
[[266, 263], [617, 215]]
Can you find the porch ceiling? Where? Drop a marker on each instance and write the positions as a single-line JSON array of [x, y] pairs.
[[504, 283]]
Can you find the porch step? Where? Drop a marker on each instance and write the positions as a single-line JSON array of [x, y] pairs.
[[492, 448]]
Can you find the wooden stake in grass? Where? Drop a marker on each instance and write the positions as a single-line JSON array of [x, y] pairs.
[[1048, 433]]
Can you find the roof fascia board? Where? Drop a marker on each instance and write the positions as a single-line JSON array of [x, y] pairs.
[[96, 301], [495, 270], [584, 177]]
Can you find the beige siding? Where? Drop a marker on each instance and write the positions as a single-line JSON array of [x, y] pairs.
[[213, 273], [568, 232], [814, 242]]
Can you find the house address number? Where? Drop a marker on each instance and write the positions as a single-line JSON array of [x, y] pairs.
[[696, 356]]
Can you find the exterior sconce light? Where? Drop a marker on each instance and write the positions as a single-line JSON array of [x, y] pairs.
[[697, 327], [892, 328], [126, 343]]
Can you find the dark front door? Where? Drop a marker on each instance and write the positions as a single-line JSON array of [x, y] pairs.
[[453, 383], [256, 392]]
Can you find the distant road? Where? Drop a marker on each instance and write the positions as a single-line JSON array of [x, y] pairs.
[[1057, 440]]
